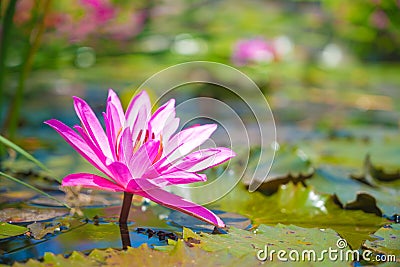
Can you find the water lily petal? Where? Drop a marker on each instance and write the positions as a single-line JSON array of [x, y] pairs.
[[125, 145], [170, 129], [175, 202], [92, 125], [111, 134], [140, 102], [204, 159], [139, 128], [76, 141], [162, 118], [120, 173], [114, 119], [89, 180], [187, 140], [143, 159], [140, 184], [118, 111], [90, 143], [179, 177]]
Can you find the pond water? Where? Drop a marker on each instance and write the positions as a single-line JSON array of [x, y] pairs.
[[151, 224]]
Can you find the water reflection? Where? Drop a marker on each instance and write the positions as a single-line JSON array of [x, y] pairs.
[[125, 237]]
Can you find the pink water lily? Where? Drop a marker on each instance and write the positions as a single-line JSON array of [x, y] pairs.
[[140, 153]]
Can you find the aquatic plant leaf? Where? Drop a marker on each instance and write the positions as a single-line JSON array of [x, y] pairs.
[[229, 218], [351, 152], [352, 193], [302, 206], [180, 255], [39, 230], [373, 175], [16, 196], [24, 215], [290, 165], [238, 248], [9, 230], [242, 243], [387, 241]]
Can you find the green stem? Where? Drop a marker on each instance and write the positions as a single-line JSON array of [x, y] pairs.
[[5, 42], [125, 237], [126, 207], [15, 107]]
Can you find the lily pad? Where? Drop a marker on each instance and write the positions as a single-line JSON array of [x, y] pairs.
[[302, 206], [242, 243], [39, 230], [180, 255], [350, 152], [84, 200], [373, 175], [333, 180], [16, 196], [238, 248], [290, 165], [229, 218], [25, 215], [387, 241], [9, 230]]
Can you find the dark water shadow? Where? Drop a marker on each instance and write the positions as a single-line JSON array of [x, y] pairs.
[[84, 238]]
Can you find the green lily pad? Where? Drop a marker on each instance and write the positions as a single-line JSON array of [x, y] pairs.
[[302, 206], [332, 180], [180, 255], [373, 175], [238, 248], [39, 230], [290, 164], [242, 243], [387, 242], [9, 230], [229, 218], [24, 215], [350, 152]]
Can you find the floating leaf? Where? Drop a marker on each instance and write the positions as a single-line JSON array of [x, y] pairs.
[[9, 230], [302, 206], [238, 248], [333, 180], [180, 255], [242, 243], [290, 165], [351, 152], [387, 242], [25, 215], [229, 218], [16, 196], [39, 230], [372, 174]]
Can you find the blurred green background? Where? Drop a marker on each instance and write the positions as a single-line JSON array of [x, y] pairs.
[[321, 64]]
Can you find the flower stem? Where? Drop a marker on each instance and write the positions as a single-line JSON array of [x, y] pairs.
[[126, 206], [125, 238]]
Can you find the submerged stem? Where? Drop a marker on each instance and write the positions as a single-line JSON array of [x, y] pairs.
[[126, 206], [125, 237]]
